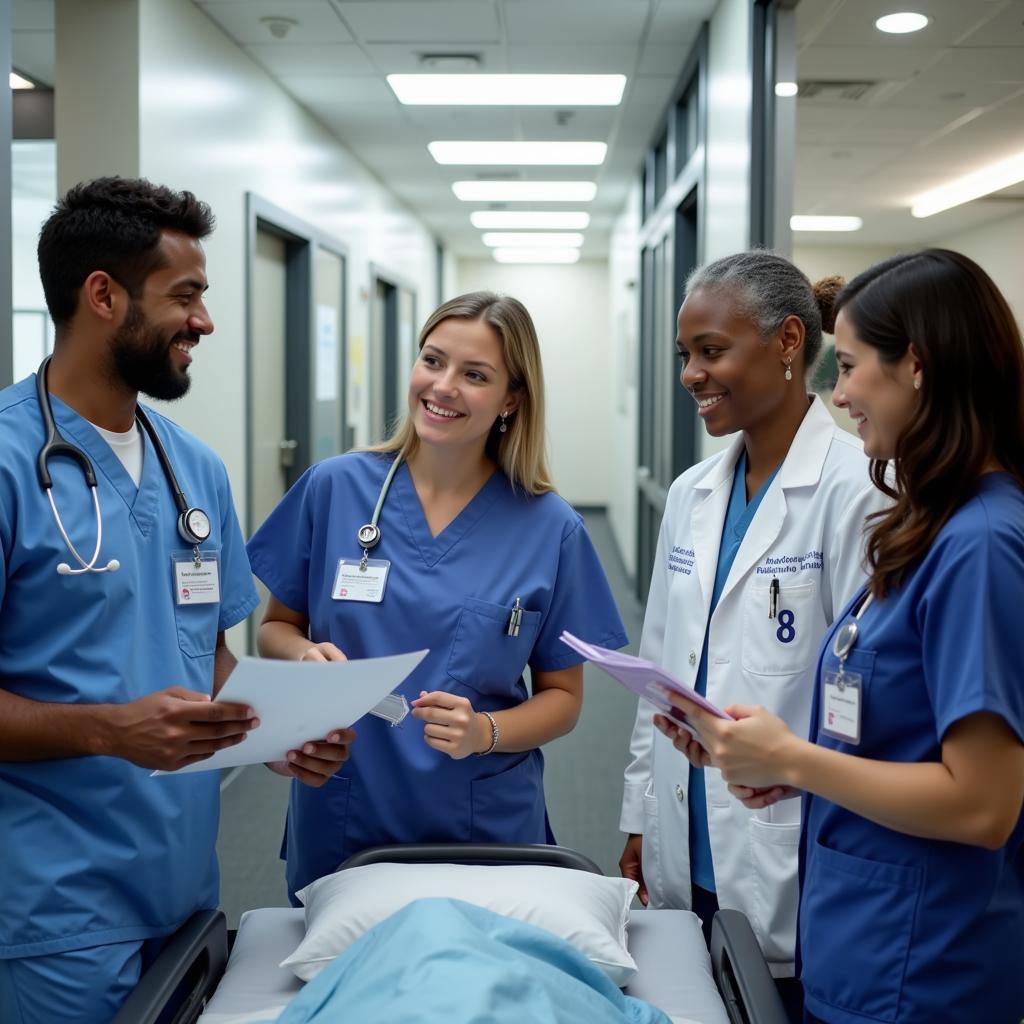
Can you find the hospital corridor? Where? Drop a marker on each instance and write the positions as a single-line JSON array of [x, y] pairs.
[[512, 511]]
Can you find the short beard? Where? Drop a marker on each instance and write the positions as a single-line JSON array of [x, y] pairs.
[[142, 359]]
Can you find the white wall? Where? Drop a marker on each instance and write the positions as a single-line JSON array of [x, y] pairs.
[[569, 306], [624, 321], [818, 261], [998, 248]]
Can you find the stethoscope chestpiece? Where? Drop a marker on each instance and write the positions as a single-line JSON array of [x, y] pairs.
[[194, 526]]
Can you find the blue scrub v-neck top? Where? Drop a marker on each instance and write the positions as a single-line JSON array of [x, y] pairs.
[[453, 594], [738, 517], [95, 850], [894, 927]]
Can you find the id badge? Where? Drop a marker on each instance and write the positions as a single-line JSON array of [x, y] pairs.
[[196, 584], [840, 706], [352, 583]]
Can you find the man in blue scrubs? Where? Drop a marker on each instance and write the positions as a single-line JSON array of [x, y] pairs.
[[108, 663]]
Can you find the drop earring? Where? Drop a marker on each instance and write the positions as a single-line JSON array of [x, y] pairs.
[[789, 371], [917, 384], [504, 426]]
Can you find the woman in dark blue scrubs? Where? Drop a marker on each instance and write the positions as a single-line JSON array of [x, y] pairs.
[[912, 851], [479, 561]]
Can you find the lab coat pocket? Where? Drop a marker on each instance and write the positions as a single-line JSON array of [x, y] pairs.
[[483, 656], [856, 925], [650, 851], [773, 852], [197, 628], [787, 642], [509, 807]]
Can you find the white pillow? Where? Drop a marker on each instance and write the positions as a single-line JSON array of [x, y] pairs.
[[587, 910]]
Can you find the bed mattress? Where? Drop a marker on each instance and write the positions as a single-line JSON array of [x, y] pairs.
[[674, 968]]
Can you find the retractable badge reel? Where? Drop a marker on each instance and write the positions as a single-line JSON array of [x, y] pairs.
[[196, 575], [841, 689]]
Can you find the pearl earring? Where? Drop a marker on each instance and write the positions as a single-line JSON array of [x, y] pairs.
[[917, 384]]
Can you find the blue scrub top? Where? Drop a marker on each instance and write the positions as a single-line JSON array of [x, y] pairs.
[[893, 927], [452, 594], [738, 517], [96, 851]]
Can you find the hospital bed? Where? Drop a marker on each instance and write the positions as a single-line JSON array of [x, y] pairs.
[[196, 981]]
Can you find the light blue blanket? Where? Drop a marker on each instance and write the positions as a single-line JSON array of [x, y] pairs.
[[450, 962]]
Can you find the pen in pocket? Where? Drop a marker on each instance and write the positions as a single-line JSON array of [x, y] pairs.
[[773, 598]]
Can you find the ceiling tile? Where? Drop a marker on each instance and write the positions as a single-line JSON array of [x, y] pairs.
[[421, 21], [982, 64], [310, 59], [1005, 29], [856, 63], [679, 22], [578, 21], [316, 21], [405, 58], [585, 58], [339, 90]]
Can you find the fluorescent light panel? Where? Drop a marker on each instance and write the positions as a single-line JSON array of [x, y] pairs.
[[525, 191], [567, 153], [901, 22], [509, 90], [517, 255], [534, 239], [971, 186], [800, 222], [18, 82], [513, 220]]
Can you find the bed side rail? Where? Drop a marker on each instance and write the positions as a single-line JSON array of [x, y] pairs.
[[183, 976], [473, 853], [741, 973]]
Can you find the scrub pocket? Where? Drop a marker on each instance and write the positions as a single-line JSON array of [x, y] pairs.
[[787, 643], [483, 656], [856, 925], [773, 852], [509, 807], [197, 628]]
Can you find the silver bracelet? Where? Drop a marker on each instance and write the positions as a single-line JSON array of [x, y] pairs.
[[495, 733]]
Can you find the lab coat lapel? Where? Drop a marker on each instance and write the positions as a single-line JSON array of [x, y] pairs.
[[802, 467]]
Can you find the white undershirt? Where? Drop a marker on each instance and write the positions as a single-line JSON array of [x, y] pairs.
[[127, 447]]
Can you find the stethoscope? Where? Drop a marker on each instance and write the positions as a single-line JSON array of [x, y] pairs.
[[847, 635], [368, 535], [193, 523]]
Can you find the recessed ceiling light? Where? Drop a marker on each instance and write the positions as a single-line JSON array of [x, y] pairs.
[[525, 191], [972, 186], [566, 153], [533, 239], [536, 255], [19, 82], [902, 22], [800, 222], [786, 88], [511, 220], [509, 90]]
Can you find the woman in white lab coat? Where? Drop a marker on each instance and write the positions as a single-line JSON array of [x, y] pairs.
[[761, 545]]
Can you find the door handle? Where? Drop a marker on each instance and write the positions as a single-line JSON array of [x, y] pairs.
[[287, 453]]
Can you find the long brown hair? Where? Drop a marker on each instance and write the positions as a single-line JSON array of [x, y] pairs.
[[971, 403], [520, 451]]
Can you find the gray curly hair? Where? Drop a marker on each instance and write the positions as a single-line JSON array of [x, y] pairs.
[[765, 288]]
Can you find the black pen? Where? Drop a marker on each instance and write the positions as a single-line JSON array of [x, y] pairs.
[[773, 598]]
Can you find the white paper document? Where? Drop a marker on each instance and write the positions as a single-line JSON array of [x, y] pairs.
[[299, 701]]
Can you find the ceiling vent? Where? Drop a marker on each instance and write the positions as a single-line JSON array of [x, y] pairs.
[[451, 62], [823, 91]]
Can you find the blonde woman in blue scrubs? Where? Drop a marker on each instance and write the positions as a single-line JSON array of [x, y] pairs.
[[478, 560], [912, 867]]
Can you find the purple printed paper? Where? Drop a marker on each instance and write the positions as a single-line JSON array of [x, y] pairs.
[[643, 677]]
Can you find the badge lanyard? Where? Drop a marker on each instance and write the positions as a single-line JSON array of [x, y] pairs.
[[364, 579], [841, 690]]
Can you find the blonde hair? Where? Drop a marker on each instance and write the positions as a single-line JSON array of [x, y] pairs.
[[520, 450]]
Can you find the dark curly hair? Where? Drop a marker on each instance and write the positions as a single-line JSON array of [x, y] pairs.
[[113, 225]]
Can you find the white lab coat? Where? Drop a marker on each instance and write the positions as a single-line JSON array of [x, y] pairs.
[[808, 534]]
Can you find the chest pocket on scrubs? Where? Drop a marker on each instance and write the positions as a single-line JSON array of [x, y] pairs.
[[483, 656], [197, 628], [788, 642]]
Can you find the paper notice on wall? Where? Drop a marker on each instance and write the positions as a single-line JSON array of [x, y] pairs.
[[326, 353]]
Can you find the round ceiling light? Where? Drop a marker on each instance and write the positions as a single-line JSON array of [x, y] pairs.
[[902, 22]]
